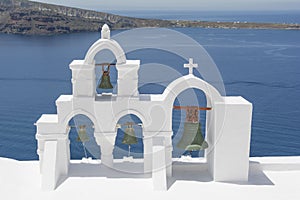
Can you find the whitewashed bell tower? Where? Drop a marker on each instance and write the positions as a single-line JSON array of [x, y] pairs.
[[228, 124], [83, 71]]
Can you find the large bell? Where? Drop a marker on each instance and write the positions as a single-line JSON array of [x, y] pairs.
[[105, 80], [129, 136], [192, 139], [82, 135]]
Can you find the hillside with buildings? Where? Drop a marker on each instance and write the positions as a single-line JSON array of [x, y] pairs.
[[33, 18], [25, 17]]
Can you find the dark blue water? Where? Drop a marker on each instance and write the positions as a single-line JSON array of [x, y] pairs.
[[222, 16], [261, 65]]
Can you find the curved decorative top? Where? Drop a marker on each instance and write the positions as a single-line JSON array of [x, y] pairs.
[[105, 43], [105, 32], [187, 82]]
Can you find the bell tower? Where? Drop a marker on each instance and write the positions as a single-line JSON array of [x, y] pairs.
[[83, 71], [228, 122], [127, 83]]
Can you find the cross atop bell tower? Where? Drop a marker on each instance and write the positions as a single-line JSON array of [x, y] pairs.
[[191, 65]]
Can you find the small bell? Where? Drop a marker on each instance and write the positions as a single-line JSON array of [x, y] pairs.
[[129, 136], [192, 139], [105, 80], [82, 135]]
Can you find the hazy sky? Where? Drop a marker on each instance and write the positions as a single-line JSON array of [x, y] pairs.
[[180, 4]]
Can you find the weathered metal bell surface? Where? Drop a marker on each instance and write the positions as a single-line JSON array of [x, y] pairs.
[[105, 81], [129, 136], [192, 139], [82, 135]]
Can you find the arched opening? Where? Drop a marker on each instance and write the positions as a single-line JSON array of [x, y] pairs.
[[100, 45], [128, 151], [81, 136], [190, 161], [184, 136], [106, 72]]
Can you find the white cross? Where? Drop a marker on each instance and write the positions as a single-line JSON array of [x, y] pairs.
[[191, 65]]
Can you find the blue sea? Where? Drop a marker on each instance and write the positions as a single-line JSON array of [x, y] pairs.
[[222, 16], [263, 66]]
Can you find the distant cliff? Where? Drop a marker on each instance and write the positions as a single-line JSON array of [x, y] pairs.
[[33, 18], [25, 17]]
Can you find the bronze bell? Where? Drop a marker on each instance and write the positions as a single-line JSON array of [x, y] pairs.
[[82, 135], [129, 136], [192, 139], [105, 80]]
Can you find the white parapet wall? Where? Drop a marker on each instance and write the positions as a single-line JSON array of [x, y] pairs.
[[232, 121]]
